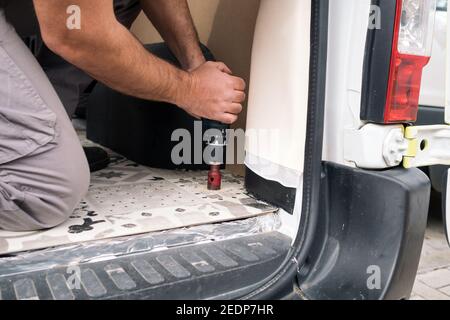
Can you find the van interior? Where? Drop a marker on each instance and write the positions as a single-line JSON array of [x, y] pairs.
[[150, 230]]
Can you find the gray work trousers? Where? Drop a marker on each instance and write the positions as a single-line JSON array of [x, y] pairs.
[[43, 170]]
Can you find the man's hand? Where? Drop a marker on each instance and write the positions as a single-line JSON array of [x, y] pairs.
[[214, 93]]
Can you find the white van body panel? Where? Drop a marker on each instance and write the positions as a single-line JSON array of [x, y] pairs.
[[432, 91], [346, 46], [278, 97]]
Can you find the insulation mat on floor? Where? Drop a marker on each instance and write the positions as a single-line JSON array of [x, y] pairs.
[[128, 199]]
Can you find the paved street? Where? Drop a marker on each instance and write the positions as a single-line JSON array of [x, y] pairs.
[[433, 279]]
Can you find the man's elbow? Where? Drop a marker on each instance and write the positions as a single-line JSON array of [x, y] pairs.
[[63, 44]]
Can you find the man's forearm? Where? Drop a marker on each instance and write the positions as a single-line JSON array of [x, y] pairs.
[[121, 62], [173, 20], [115, 58]]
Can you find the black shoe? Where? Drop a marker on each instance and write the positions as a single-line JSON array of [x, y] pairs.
[[97, 158]]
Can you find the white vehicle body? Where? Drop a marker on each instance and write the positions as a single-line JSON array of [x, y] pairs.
[[433, 81]]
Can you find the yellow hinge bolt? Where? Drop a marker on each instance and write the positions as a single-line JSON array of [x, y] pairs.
[[413, 146]]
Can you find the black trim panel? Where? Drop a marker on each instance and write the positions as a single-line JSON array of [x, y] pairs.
[[429, 115], [377, 63], [371, 222], [270, 191]]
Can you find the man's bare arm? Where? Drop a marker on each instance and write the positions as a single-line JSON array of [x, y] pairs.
[[107, 51], [111, 54], [174, 22]]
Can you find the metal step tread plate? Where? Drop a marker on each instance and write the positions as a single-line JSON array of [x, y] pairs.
[[192, 272]]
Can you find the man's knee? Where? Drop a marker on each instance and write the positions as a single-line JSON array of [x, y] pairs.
[[67, 194], [56, 205], [38, 203]]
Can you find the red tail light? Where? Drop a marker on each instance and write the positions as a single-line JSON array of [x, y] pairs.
[[411, 52]]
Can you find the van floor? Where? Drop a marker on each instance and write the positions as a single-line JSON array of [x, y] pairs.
[[128, 199]]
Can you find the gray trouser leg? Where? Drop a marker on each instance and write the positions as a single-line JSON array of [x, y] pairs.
[[43, 170]]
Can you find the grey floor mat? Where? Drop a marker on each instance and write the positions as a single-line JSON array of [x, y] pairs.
[[129, 199]]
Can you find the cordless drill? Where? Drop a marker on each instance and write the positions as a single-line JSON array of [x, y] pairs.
[[216, 142]]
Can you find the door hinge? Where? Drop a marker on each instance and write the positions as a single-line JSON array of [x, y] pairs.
[[385, 146], [427, 146]]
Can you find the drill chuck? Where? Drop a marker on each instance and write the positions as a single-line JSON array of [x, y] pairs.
[[215, 135]]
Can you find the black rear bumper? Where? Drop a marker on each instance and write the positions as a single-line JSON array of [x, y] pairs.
[[370, 234]]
